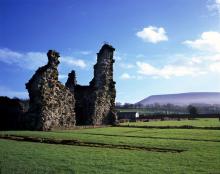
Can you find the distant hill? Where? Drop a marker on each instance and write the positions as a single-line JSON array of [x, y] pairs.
[[183, 98]]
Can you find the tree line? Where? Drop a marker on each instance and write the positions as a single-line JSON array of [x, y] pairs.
[[172, 109]]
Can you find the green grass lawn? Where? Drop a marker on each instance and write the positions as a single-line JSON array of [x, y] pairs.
[[201, 155], [199, 122]]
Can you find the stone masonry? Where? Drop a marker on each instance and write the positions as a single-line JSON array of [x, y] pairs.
[[51, 103], [95, 104]]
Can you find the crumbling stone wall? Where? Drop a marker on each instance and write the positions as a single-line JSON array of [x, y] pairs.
[[104, 87], [51, 103], [95, 104]]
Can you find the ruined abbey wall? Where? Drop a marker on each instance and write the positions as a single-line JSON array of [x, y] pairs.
[[51, 103], [95, 104], [104, 103]]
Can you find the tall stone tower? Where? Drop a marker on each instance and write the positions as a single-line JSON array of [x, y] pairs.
[[51, 103], [95, 104], [104, 87]]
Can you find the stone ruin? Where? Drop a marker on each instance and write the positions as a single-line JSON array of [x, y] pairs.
[[53, 105], [95, 104]]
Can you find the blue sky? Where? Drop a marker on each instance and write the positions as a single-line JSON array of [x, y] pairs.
[[162, 46]]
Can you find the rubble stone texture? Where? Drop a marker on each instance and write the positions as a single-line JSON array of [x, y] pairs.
[[51, 103], [95, 104]]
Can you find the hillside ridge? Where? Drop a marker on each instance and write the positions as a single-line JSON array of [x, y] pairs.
[[183, 98]]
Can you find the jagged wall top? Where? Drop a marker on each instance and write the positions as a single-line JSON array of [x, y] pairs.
[[71, 81], [106, 46], [53, 57], [51, 103]]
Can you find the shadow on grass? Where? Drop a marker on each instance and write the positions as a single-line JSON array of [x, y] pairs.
[[88, 144]]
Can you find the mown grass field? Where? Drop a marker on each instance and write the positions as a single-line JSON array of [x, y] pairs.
[[201, 151], [198, 122]]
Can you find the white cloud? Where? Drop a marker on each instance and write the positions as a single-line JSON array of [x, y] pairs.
[[33, 60], [200, 63], [177, 65], [146, 69], [119, 56], [126, 65], [206, 63], [214, 57], [215, 67], [152, 34], [85, 52], [126, 76], [195, 61], [214, 6], [73, 62], [29, 60], [208, 41], [167, 71], [4, 91]]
